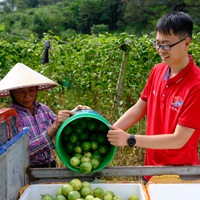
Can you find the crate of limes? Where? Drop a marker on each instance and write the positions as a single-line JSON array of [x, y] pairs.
[[82, 144], [76, 189]]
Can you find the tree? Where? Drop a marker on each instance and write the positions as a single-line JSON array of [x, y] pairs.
[[140, 16], [91, 13], [113, 10], [62, 16]]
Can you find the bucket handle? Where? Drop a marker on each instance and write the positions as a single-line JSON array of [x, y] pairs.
[[76, 110]]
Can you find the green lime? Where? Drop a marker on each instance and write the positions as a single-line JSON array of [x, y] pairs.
[[60, 197], [74, 138], [103, 149], [78, 150], [97, 155], [69, 148], [117, 197], [67, 130], [59, 191], [78, 129], [66, 189], [92, 125], [133, 197], [86, 146], [107, 197], [86, 184], [95, 163], [74, 195], [89, 197], [88, 154], [85, 159], [101, 138], [86, 167], [78, 155], [103, 127], [76, 184], [47, 197], [84, 136], [74, 161], [94, 145], [98, 192], [85, 191], [109, 192]]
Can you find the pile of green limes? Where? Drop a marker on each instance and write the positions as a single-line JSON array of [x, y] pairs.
[[85, 141], [77, 190]]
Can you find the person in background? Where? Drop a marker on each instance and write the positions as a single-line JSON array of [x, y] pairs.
[[22, 84], [170, 100]]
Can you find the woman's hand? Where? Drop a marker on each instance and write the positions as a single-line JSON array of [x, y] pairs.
[[65, 114], [62, 116], [81, 107]]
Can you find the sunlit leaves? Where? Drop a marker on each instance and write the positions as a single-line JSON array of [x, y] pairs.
[[90, 64]]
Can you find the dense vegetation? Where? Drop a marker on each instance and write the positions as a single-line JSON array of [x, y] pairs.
[[87, 69], [70, 17], [106, 68]]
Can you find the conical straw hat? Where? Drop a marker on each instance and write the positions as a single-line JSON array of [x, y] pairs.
[[21, 76]]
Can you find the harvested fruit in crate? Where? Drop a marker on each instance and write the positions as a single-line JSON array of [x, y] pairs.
[[77, 190]]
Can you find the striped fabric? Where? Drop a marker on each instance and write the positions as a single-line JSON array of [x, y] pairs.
[[40, 146]]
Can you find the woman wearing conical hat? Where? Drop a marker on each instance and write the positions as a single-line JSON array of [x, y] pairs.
[[22, 84]]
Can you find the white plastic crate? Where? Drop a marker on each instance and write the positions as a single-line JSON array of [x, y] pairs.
[[34, 191], [175, 191]]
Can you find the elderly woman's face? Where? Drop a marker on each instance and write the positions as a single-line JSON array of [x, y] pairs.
[[25, 96]]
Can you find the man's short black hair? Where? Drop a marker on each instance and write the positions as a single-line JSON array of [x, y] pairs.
[[178, 23]]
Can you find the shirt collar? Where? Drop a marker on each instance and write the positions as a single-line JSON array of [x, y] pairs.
[[21, 108], [181, 74]]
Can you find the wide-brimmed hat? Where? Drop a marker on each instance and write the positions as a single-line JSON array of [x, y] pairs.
[[21, 76]]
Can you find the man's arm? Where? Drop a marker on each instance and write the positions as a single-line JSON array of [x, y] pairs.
[[176, 140]]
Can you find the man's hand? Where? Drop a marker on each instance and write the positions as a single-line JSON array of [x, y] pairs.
[[117, 137]]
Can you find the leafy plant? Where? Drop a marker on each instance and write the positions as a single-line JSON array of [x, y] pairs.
[[87, 68]]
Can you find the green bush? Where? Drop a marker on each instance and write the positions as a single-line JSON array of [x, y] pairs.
[[87, 69]]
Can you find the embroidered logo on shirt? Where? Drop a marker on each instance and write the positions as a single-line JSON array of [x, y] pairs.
[[177, 101], [155, 93]]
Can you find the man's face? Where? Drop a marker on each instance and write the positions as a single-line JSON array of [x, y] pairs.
[[174, 56], [25, 96]]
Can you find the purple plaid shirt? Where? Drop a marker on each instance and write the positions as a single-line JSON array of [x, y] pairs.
[[40, 144]]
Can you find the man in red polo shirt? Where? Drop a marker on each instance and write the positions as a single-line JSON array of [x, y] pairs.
[[170, 100]]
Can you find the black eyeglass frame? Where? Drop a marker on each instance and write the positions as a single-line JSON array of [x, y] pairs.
[[166, 47]]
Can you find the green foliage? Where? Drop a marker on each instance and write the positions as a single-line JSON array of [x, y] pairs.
[[87, 16], [101, 28], [87, 69]]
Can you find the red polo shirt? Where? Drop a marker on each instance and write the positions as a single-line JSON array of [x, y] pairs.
[[170, 102]]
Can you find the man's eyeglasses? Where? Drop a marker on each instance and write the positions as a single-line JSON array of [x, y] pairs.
[[166, 47]]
